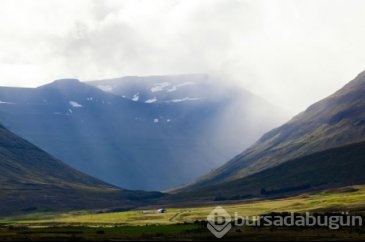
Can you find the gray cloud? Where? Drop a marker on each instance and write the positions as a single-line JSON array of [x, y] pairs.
[[291, 52]]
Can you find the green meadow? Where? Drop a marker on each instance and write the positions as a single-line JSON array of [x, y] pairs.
[[339, 200], [186, 224]]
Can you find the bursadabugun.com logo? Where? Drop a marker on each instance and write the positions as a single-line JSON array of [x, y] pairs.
[[220, 222]]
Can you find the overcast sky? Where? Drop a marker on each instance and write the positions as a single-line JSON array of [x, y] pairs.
[[290, 52]]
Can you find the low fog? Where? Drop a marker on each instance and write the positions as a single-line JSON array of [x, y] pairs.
[[291, 53]]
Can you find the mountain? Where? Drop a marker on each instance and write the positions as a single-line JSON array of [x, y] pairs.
[[31, 180], [232, 117], [139, 144], [166, 89], [333, 122], [333, 168]]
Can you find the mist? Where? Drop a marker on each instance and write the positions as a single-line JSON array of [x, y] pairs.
[[292, 53]]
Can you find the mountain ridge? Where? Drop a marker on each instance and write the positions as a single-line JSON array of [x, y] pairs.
[[332, 122]]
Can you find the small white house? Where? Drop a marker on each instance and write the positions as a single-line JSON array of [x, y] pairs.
[[161, 210]]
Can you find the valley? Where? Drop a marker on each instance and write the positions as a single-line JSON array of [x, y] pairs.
[[312, 164], [182, 120], [178, 139]]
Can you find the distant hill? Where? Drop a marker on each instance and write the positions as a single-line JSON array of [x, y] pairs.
[[31, 181], [333, 122], [162, 132], [333, 168]]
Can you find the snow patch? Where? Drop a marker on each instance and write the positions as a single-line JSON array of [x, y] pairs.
[[105, 88], [160, 86], [185, 84], [185, 99], [75, 104], [152, 100], [175, 87], [2, 102], [135, 97]]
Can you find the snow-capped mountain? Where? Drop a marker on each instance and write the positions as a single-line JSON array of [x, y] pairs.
[[164, 89], [147, 133]]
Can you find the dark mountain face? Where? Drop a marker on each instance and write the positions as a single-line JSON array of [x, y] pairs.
[[134, 144], [333, 122], [32, 180], [333, 168], [23, 163]]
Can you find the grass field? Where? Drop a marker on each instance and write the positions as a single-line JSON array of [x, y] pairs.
[[345, 199], [181, 223], [176, 232]]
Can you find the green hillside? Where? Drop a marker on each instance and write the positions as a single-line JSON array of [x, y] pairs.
[[333, 122], [332, 168]]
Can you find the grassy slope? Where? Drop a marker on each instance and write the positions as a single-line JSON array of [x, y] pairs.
[[331, 168], [344, 199], [333, 122], [33, 180], [23, 165]]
